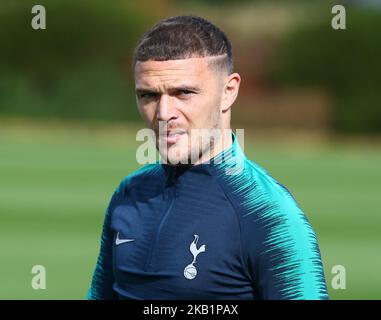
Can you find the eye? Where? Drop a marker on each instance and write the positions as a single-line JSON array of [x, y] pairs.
[[185, 92], [148, 95]]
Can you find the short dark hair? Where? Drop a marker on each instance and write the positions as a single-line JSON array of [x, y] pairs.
[[183, 37]]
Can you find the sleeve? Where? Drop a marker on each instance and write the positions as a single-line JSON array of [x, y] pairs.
[[101, 287], [282, 253]]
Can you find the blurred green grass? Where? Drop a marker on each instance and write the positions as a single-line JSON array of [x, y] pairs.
[[55, 183]]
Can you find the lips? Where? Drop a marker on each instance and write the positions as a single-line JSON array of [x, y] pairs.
[[172, 136]]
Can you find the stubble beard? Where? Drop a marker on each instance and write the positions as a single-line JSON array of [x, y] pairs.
[[195, 146]]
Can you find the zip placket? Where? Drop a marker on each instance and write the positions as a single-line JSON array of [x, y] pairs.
[[172, 195]]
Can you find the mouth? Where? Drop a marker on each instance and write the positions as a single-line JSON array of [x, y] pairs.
[[172, 136]]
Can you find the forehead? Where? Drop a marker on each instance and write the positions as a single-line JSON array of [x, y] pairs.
[[192, 69]]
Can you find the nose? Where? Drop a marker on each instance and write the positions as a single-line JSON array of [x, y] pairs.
[[166, 110]]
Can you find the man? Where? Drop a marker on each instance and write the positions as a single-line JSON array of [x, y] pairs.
[[205, 222]]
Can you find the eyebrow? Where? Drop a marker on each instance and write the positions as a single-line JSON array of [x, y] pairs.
[[170, 90]]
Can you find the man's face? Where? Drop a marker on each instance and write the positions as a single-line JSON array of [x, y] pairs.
[[181, 95]]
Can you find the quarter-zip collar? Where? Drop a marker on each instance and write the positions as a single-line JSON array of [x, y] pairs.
[[229, 157]]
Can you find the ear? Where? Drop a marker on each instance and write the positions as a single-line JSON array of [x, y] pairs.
[[230, 91]]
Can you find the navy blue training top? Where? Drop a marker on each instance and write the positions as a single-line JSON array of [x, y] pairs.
[[219, 230]]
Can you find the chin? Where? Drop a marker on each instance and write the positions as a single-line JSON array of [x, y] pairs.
[[174, 153], [177, 156]]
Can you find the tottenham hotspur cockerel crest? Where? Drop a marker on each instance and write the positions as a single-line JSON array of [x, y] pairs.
[[190, 271]]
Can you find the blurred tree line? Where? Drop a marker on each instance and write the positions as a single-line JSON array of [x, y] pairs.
[[344, 62], [78, 67]]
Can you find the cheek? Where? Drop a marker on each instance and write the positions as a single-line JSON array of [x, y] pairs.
[[201, 111], [147, 112]]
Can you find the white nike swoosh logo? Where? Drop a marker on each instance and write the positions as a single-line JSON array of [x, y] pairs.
[[119, 241]]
